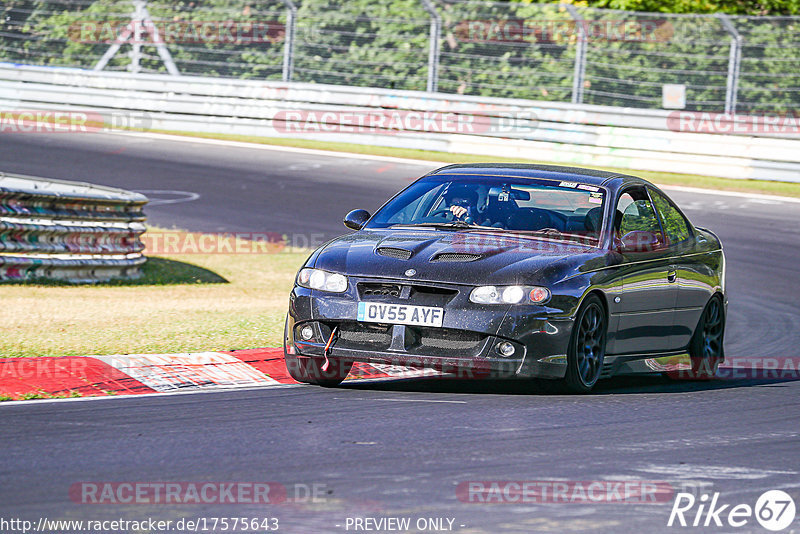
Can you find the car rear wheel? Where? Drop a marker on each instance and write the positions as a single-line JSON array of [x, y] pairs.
[[310, 370], [587, 346], [705, 349]]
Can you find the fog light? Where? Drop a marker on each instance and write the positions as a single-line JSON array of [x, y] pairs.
[[307, 332], [505, 348]]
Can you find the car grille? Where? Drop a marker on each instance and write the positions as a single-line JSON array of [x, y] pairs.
[[380, 290], [454, 257], [394, 252], [364, 336], [431, 295], [419, 294], [442, 342], [452, 342]]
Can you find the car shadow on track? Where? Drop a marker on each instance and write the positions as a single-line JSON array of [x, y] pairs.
[[639, 384]]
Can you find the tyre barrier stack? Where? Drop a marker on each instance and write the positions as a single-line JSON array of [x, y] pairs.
[[70, 231]]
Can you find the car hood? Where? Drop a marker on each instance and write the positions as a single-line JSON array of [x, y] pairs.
[[501, 258]]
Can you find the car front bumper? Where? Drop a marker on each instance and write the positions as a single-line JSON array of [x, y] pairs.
[[465, 345]]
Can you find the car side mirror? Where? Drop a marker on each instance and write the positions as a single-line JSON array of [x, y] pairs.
[[356, 219], [639, 241]]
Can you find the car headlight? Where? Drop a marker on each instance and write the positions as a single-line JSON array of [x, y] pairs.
[[322, 280], [509, 295]]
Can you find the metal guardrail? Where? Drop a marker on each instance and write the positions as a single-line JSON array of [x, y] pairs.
[[577, 134], [70, 231], [545, 51]]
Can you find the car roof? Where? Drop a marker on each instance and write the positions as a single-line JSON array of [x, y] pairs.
[[553, 172]]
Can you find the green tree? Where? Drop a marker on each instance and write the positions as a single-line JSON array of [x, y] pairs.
[[504, 49]]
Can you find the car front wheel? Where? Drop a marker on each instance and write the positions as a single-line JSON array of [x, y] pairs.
[[587, 346], [310, 370]]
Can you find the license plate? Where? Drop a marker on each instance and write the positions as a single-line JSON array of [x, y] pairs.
[[378, 312]]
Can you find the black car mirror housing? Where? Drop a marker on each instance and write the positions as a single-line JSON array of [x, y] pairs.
[[356, 219]]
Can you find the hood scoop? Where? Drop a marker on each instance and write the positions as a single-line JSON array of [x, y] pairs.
[[454, 257], [394, 252]]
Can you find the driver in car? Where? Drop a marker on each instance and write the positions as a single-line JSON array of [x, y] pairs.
[[462, 201]]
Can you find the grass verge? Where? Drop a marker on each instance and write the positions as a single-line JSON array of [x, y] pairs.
[[661, 178], [183, 303]]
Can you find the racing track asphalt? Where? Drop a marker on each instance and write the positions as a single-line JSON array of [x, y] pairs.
[[401, 448]]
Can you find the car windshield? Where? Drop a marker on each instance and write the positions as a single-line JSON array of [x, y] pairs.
[[553, 208]]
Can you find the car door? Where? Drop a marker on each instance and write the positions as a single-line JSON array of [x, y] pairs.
[[647, 302], [694, 276]]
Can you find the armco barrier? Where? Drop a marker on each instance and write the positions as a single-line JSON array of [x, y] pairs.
[[68, 230], [547, 131]]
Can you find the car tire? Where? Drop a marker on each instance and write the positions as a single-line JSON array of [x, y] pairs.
[[706, 346], [309, 370], [587, 346]]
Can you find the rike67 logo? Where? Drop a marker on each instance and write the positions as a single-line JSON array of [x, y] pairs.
[[774, 510]]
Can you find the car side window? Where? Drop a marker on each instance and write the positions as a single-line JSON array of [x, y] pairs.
[[635, 213], [675, 225]]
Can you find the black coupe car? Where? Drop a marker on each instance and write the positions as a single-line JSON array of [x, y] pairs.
[[512, 270]]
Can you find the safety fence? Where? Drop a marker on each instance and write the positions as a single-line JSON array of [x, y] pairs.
[[77, 232], [545, 52], [578, 134]]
